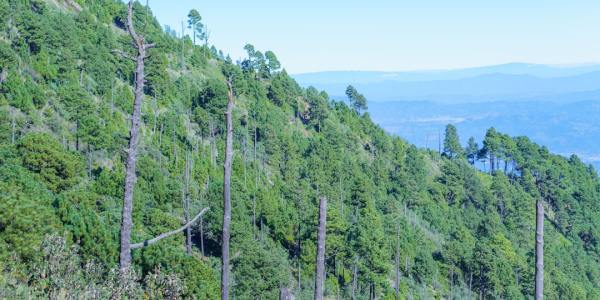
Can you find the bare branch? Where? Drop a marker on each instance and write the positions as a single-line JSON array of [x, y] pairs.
[[130, 28], [151, 45], [170, 233], [230, 94], [123, 54]]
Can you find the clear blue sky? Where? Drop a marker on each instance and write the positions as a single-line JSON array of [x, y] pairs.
[[387, 35]]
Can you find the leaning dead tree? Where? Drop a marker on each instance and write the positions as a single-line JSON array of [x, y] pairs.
[[320, 276], [227, 195], [539, 250], [170, 233], [130, 176]]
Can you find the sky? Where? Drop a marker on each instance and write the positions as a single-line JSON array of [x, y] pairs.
[[400, 35]]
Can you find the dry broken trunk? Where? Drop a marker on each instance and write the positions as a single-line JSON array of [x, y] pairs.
[[320, 276], [130, 176], [227, 196], [170, 233], [539, 250]]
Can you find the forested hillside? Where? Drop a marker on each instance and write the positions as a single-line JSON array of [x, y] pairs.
[[430, 220]]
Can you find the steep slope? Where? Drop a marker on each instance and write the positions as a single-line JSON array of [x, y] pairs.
[[65, 101]]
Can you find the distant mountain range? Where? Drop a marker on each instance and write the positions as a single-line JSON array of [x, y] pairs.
[[556, 106], [508, 82]]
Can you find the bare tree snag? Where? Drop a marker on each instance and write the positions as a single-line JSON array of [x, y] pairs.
[[539, 251], [130, 176], [155, 110], [256, 175], [202, 236], [398, 262], [470, 282], [355, 278], [13, 125], [320, 276], [201, 218], [170, 233], [186, 204], [227, 196], [285, 294]]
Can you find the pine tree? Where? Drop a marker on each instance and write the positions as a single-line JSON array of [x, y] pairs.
[[357, 100], [452, 147], [195, 24]]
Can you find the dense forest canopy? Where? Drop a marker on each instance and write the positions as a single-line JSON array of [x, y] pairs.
[[447, 228]]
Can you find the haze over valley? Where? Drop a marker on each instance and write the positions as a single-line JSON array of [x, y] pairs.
[[556, 106]]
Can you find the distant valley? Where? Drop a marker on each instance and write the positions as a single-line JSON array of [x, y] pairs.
[[554, 106]]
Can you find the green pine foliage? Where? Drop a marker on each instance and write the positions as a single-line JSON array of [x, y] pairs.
[[65, 100]]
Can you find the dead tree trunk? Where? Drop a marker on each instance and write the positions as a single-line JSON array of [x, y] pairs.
[[470, 283], [227, 196], [354, 279], [202, 236], [398, 263], [155, 110], [285, 294], [256, 175], [13, 126], [130, 176], [320, 276], [186, 205], [539, 251], [202, 219]]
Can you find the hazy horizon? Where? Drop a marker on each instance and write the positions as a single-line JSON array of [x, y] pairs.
[[561, 65], [314, 36]]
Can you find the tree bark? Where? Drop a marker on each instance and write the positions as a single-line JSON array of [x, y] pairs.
[[155, 109], [130, 176], [355, 279], [470, 283], [256, 175], [202, 225], [398, 263], [285, 294], [539, 251], [13, 126], [227, 196], [320, 276], [186, 205]]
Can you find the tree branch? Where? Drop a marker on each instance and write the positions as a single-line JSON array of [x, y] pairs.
[[170, 233], [130, 28]]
